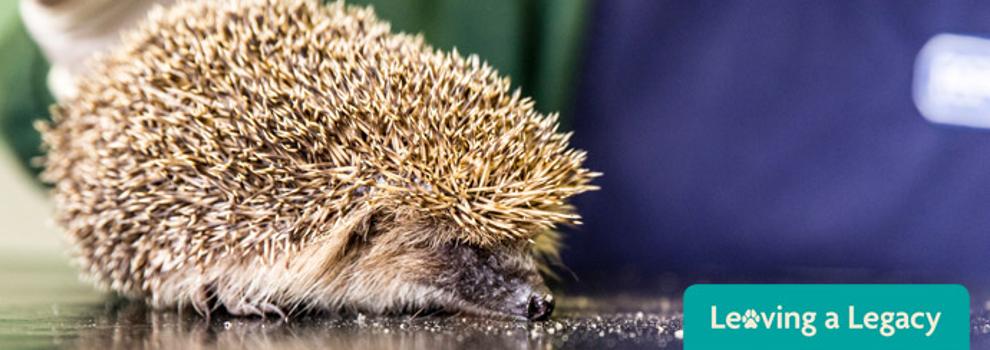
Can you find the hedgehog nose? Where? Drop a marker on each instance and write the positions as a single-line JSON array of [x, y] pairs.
[[540, 307]]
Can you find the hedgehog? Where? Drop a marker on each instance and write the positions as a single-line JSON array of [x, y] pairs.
[[280, 156]]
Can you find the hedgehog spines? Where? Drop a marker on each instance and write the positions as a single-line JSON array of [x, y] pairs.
[[250, 129]]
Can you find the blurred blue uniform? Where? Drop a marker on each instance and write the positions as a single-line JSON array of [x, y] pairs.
[[774, 141]]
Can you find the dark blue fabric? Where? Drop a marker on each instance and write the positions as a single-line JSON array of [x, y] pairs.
[[774, 140]]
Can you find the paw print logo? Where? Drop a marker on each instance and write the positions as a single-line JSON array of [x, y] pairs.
[[749, 319]]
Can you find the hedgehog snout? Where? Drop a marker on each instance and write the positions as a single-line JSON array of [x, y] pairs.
[[531, 301], [500, 281], [540, 306]]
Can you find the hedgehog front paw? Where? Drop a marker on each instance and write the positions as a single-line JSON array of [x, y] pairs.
[[269, 308], [245, 308], [201, 303]]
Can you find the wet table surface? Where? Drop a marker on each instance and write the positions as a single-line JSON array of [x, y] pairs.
[[42, 305], [121, 325]]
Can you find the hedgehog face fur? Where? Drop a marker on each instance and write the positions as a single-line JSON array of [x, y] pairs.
[[269, 156]]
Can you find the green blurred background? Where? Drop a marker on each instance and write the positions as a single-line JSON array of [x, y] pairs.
[[28, 239]]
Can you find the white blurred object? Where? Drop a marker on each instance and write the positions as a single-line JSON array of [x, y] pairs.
[[69, 32], [952, 80]]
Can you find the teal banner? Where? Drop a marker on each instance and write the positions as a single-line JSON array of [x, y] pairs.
[[826, 316]]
